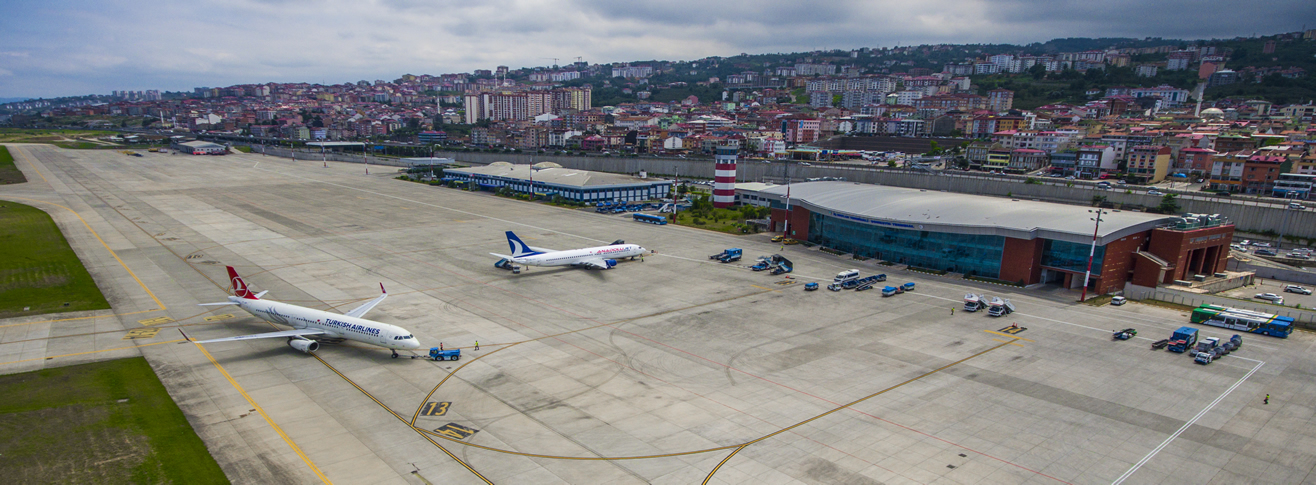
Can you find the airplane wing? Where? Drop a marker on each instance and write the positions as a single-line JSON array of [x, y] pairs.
[[596, 263], [286, 333], [360, 312]]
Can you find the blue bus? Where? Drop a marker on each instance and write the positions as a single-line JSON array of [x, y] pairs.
[[1244, 320], [651, 219]]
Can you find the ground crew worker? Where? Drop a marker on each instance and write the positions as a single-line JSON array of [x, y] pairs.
[[952, 311], [1266, 400], [477, 345], [440, 346]]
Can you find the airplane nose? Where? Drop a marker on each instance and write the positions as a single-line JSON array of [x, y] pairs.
[[413, 344]]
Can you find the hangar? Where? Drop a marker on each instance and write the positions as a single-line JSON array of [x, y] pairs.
[[1012, 240], [548, 179]]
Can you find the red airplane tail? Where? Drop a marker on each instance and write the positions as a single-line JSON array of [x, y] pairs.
[[239, 286]]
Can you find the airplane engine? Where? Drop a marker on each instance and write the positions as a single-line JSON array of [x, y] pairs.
[[307, 346], [610, 262]]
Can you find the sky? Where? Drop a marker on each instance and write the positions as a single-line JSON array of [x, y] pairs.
[[51, 48]]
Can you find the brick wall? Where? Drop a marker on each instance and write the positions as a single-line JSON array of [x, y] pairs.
[[1022, 260]]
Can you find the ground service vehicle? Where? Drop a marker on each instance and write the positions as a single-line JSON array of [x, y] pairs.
[[810, 286], [999, 307], [651, 219], [762, 263], [1118, 300], [1125, 334], [907, 286], [436, 354], [1182, 339], [847, 275], [727, 256], [973, 303], [1160, 344], [778, 238], [889, 291], [508, 265], [783, 265], [867, 280], [1203, 358], [789, 241], [1244, 320]]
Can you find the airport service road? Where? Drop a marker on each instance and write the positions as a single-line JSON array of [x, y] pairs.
[[670, 370]]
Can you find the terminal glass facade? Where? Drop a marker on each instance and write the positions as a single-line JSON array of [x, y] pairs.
[[1070, 256], [959, 253]]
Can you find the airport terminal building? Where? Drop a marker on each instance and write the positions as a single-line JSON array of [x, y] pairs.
[[1005, 239], [548, 179]]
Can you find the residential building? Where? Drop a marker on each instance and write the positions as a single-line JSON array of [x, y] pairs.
[[1000, 100], [1149, 164], [1023, 160], [1094, 160], [1193, 159], [998, 158]]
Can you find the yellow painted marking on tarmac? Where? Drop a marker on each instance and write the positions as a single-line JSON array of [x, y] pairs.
[[1008, 342], [155, 321], [723, 462], [219, 318], [158, 303], [33, 165], [423, 433], [1007, 335], [90, 352], [252, 402], [112, 315], [765, 288], [141, 333]]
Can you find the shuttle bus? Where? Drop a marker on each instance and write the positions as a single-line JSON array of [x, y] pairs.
[[1244, 320], [651, 219]]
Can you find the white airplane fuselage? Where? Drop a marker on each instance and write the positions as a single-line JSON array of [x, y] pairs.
[[574, 257], [335, 325]]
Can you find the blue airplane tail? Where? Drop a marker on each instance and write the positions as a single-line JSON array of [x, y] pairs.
[[519, 248]]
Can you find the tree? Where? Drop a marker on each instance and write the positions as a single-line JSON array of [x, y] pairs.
[[1169, 204], [1038, 71]]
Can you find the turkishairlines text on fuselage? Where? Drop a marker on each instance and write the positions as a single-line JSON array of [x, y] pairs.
[[334, 325], [309, 322]]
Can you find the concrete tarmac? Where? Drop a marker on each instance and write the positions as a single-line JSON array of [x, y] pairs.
[[674, 369]]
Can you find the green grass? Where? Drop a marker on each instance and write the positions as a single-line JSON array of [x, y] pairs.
[[729, 225], [9, 173], [38, 269], [105, 422]]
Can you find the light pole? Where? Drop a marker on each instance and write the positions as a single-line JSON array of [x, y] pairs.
[[1092, 253]]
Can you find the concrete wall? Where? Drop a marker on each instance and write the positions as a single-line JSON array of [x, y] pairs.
[[1305, 318], [1270, 272]]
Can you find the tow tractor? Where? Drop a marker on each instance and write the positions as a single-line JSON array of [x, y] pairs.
[[810, 286], [1125, 334], [436, 354]]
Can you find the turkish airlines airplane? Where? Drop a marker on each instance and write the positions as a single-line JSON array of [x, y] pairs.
[[602, 257], [309, 322]]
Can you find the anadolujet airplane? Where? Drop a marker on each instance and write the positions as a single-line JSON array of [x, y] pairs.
[[309, 322], [602, 257]]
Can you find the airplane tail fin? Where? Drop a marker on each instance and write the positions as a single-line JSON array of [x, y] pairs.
[[519, 248], [240, 287]]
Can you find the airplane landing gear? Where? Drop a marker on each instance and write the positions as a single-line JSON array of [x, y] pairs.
[[395, 353]]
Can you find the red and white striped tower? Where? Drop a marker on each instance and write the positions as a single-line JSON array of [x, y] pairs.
[[724, 178]]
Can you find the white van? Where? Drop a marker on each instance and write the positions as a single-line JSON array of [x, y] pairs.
[[847, 275]]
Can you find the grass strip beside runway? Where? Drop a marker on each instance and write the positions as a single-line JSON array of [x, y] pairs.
[[105, 422], [39, 272]]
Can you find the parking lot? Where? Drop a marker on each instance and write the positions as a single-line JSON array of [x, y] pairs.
[[670, 369]]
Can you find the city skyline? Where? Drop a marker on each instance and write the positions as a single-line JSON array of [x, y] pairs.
[[69, 48]]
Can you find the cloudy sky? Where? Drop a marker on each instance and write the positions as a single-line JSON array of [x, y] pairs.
[[65, 47]]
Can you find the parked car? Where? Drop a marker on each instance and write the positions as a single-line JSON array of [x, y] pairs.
[[1118, 300], [1267, 252], [1297, 289], [1261, 244], [1271, 297], [1103, 185], [1155, 192], [1297, 206]]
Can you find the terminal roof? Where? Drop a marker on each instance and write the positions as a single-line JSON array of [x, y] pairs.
[[936, 211]]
